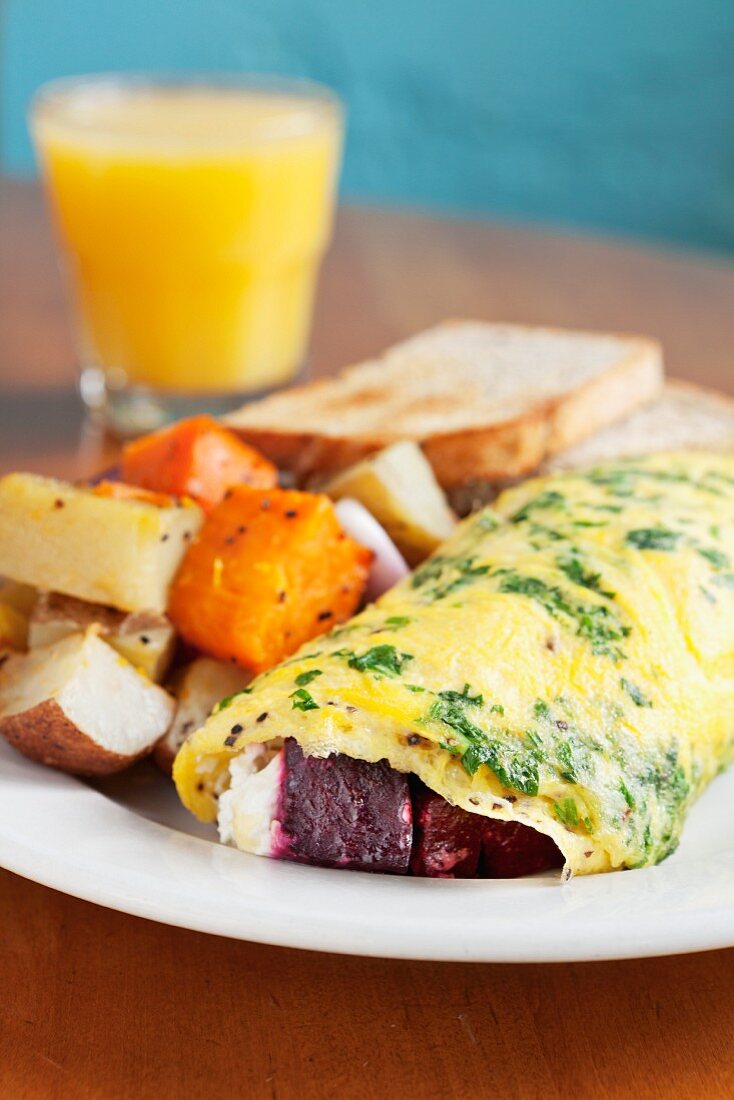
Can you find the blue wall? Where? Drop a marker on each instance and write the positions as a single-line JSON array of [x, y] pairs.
[[617, 114]]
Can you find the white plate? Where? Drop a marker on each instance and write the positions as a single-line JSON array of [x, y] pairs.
[[128, 844]]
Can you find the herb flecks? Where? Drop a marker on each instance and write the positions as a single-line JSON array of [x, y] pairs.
[[229, 699], [627, 794], [595, 622], [549, 498], [636, 694], [653, 538], [383, 660], [454, 573], [305, 678], [574, 569], [463, 697], [303, 700], [515, 766], [567, 812], [541, 709], [715, 557]]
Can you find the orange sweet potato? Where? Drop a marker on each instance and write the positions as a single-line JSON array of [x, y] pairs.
[[197, 458], [267, 572]]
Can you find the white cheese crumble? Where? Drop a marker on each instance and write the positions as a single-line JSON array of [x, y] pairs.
[[248, 807]]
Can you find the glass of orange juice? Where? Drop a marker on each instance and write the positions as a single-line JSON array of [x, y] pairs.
[[193, 216]]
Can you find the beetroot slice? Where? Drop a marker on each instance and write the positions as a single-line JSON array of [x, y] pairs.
[[338, 812], [447, 841], [510, 850]]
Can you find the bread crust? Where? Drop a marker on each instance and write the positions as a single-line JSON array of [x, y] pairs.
[[692, 389], [45, 734]]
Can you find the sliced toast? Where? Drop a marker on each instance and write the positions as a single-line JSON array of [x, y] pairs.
[[488, 401], [684, 417]]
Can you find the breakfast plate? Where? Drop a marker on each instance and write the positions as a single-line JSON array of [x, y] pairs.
[[550, 685], [127, 843]]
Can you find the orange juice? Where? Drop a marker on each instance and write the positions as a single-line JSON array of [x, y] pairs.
[[194, 218]]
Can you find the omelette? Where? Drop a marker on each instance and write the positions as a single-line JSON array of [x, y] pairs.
[[562, 665]]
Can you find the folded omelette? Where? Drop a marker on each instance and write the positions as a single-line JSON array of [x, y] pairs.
[[564, 661]]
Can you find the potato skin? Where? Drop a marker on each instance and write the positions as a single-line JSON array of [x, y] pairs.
[[45, 734]]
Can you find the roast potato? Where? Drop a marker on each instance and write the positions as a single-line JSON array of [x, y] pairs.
[[16, 601], [80, 707], [399, 488], [144, 638], [64, 538], [198, 688], [13, 629]]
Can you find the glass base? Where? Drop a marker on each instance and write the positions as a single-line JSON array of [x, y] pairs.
[[129, 411]]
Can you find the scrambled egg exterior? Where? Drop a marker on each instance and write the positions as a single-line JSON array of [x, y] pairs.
[[565, 660]]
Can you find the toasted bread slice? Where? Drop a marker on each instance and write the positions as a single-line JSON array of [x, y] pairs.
[[684, 417], [484, 400]]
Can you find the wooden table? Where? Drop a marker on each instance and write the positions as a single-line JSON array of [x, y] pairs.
[[98, 1004]]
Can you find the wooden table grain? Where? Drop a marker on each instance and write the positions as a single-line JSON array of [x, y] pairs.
[[98, 1004]]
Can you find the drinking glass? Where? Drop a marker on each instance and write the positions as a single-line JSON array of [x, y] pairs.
[[193, 214]]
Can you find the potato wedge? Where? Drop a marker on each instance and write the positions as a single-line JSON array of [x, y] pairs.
[[197, 688], [123, 553], [144, 638], [13, 629], [80, 707], [399, 488], [16, 602], [21, 597]]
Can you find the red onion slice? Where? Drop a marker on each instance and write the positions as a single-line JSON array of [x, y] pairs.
[[389, 565]]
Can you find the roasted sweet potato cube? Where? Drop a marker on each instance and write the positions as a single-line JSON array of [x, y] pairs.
[[197, 458], [269, 571]]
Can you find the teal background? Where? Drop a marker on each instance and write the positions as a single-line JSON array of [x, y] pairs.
[[614, 114]]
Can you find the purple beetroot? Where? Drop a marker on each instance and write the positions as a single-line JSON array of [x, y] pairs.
[[510, 850], [335, 811], [338, 812], [447, 841]]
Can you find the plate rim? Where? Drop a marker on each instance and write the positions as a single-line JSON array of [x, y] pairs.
[[71, 862]]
